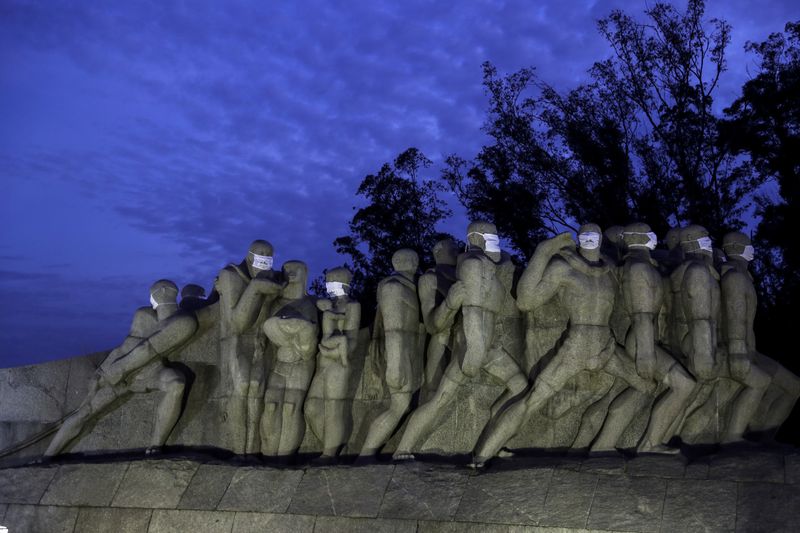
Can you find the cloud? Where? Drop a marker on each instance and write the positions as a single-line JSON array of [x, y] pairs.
[[177, 133]]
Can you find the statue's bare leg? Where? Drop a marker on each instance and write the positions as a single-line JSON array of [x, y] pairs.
[[293, 425], [335, 427], [479, 325], [666, 409], [384, 425], [504, 369], [314, 405], [172, 383], [435, 363], [426, 415], [237, 370], [272, 418], [255, 405], [74, 424], [746, 404]]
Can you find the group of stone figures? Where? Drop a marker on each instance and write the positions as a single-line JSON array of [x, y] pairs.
[[669, 324]]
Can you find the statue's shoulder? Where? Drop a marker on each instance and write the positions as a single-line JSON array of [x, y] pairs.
[[144, 322]]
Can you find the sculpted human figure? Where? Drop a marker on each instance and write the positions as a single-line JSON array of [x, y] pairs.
[[398, 314], [293, 329], [246, 293], [739, 302], [193, 297], [136, 366], [642, 298], [480, 296], [587, 288], [328, 395], [696, 315], [433, 287]]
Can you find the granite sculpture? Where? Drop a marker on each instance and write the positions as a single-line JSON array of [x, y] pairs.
[[328, 395], [610, 344], [293, 330], [136, 366], [398, 319], [478, 295], [246, 293]]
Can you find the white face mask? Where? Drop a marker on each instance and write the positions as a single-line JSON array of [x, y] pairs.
[[153, 302], [491, 241], [335, 288], [651, 236], [589, 240], [748, 253], [705, 244], [261, 262]]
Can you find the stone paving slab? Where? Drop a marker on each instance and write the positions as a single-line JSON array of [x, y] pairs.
[[623, 503], [792, 464], [26, 484], [274, 523], [507, 497], [569, 499], [267, 490], [40, 518], [666, 466], [85, 484], [748, 466], [180, 521], [768, 507], [342, 491], [340, 524], [112, 520], [422, 491], [700, 505], [154, 484], [723, 492], [207, 487]]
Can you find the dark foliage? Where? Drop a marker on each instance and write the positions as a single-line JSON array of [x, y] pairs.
[[764, 125], [640, 141], [402, 212]]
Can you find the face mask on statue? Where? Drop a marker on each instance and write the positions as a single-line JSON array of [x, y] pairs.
[[491, 241], [651, 236], [262, 262], [748, 253], [335, 288], [589, 240], [153, 302], [705, 244]]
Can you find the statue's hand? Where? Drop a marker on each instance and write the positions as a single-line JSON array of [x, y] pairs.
[[739, 365], [266, 286], [456, 295], [553, 245]]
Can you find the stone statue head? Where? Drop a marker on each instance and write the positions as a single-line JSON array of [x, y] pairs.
[[295, 273], [445, 252], [337, 281], [673, 238], [483, 235], [406, 262], [737, 245], [259, 257], [163, 292], [639, 236], [590, 238], [694, 239], [192, 291]]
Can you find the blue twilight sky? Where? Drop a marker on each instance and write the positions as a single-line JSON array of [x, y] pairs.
[[141, 140]]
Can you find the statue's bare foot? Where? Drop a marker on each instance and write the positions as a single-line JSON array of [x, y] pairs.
[[477, 463], [325, 460], [662, 449], [403, 456], [505, 452]]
